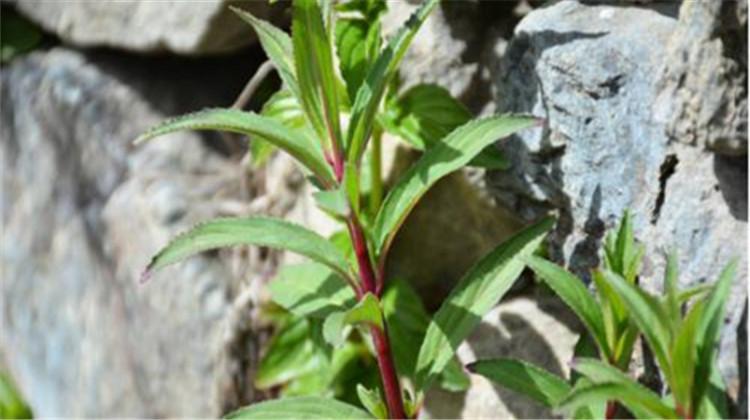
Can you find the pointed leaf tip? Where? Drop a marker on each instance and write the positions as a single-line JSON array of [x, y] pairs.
[[145, 276]]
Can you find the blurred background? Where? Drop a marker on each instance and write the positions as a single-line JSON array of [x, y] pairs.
[[646, 108]]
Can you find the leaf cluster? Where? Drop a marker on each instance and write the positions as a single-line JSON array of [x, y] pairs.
[[342, 317], [680, 327]]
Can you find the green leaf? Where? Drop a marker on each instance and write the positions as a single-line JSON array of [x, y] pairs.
[[476, 293], [353, 50], [600, 372], [407, 322], [709, 327], [12, 405], [290, 354], [310, 289], [313, 60], [351, 185], [647, 404], [683, 354], [372, 401], [262, 231], [572, 291], [370, 93], [424, 114], [293, 142], [641, 401], [333, 201], [300, 408], [613, 310], [671, 289], [366, 311], [714, 404], [284, 108], [524, 378], [451, 154], [684, 296], [277, 45], [647, 312], [18, 35]]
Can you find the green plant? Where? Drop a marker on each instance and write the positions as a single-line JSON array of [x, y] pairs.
[[12, 404], [339, 304], [682, 341]]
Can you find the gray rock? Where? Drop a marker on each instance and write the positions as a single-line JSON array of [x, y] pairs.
[[536, 330], [592, 72], [82, 213], [449, 48], [703, 86], [192, 28]]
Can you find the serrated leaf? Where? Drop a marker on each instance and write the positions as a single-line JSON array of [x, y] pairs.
[[249, 123], [648, 313], [708, 331], [313, 61], [277, 45], [371, 92], [310, 289], [300, 408], [290, 354], [476, 293], [572, 291], [262, 231], [524, 378], [451, 154], [372, 401], [366, 311], [284, 108]]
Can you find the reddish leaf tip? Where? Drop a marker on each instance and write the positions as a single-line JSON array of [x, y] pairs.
[[540, 122], [145, 276]]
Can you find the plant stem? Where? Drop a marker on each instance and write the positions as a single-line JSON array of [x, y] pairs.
[[611, 410], [388, 376], [363, 255], [376, 169]]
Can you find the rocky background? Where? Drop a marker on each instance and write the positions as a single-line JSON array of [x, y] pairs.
[[646, 109]]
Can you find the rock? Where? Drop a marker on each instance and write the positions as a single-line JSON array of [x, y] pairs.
[[448, 49], [592, 72], [529, 329], [82, 212], [147, 26], [702, 91]]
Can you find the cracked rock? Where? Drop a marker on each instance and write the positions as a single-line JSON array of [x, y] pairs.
[[593, 72]]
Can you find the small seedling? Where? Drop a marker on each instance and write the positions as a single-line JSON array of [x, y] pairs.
[[682, 341]]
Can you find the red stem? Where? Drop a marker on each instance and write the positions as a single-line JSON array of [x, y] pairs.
[[388, 375], [611, 410], [363, 255]]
